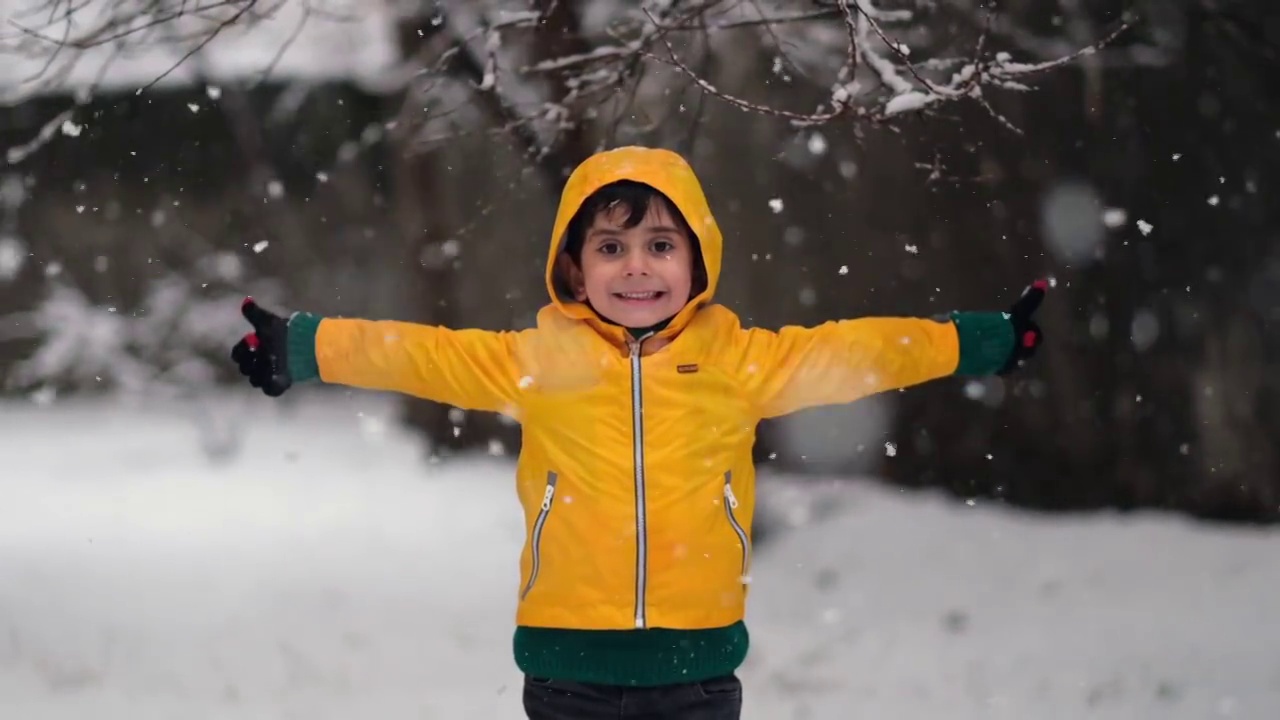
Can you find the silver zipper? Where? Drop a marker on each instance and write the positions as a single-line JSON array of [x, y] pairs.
[[637, 446], [538, 524], [731, 504]]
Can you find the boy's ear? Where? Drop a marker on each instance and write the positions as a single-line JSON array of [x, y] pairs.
[[572, 275]]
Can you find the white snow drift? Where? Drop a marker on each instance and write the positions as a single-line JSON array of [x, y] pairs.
[[326, 572]]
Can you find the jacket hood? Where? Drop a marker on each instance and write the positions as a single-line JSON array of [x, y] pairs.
[[666, 172]]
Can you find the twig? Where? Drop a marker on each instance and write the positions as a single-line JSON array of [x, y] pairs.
[[17, 154], [199, 46], [307, 11], [746, 105]]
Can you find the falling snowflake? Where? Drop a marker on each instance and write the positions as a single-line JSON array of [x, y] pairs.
[[261, 245], [775, 205], [1145, 227], [1144, 330], [817, 144], [913, 249], [890, 449], [12, 257], [1114, 217], [13, 192], [1072, 221]]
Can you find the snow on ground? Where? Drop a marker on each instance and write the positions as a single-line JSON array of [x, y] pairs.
[[326, 571]]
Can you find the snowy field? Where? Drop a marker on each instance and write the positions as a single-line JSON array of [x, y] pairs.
[[326, 572]]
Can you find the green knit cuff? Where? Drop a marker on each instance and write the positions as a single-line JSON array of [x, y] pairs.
[[986, 341], [302, 346]]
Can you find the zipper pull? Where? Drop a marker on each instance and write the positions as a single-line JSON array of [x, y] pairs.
[[546, 496], [728, 495], [635, 343]]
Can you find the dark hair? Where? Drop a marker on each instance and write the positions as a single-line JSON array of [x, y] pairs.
[[636, 198]]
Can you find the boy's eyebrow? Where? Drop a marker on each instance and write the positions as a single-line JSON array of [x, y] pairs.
[[613, 232], [664, 229]]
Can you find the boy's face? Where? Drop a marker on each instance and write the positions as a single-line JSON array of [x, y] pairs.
[[636, 277]]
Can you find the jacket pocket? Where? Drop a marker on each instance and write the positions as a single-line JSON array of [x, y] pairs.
[[535, 541], [731, 505]]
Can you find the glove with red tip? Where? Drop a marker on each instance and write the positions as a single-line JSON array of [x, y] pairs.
[[262, 354], [1027, 335]]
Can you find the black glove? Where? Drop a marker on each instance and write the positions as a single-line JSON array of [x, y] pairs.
[[1026, 334], [263, 354]]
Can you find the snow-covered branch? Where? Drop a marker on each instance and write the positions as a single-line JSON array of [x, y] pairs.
[[891, 61], [77, 48], [539, 70]]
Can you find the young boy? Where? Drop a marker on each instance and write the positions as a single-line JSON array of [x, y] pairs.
[[638, 401]]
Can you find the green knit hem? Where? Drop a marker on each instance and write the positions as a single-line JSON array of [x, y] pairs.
[[301, 343], [986, 341], [634, 658]]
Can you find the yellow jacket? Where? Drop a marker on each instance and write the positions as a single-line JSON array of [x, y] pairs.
[[635, 471]]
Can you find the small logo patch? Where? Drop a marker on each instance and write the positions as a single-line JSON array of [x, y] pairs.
[[690, 368]]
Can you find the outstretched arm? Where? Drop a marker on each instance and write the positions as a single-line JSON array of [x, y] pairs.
[[841, 361], [471, 369]]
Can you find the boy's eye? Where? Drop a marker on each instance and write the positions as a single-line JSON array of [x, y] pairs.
[[610, 247], [663, 246]]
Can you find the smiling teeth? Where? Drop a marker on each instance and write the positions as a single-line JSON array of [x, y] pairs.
[[639, 296]]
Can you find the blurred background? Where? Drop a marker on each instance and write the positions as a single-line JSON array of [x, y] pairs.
[[161, 159]]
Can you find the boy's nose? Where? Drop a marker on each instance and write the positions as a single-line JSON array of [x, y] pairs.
[[637, 264]]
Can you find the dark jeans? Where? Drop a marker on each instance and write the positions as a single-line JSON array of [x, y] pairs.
[[715, 699]]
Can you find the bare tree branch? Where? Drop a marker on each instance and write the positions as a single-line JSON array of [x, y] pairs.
[[539, 78], [17, 154]]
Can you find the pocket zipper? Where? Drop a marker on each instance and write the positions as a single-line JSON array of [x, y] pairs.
[[731, 504], [538, 525]]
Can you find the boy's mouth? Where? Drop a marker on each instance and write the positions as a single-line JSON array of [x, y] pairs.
[[648, 296]]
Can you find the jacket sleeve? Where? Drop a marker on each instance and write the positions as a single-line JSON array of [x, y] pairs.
[[841, 361], [470, 369]]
